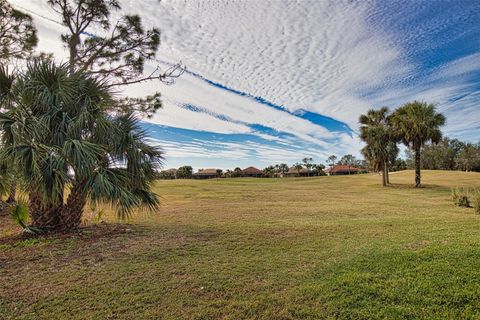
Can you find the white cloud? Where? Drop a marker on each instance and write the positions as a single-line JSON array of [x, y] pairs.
[[335, 58]]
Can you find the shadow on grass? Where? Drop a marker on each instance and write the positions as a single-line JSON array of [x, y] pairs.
[[412, 186], [90, 232]]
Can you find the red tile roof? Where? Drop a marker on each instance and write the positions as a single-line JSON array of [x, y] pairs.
[[206, 172], [252, 170], [342, 168]]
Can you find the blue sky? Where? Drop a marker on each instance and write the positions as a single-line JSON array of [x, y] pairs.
[[276, 81]]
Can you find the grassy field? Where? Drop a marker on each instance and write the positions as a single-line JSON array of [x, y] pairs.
[[300, 248]]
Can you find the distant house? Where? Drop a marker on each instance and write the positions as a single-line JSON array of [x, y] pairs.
[[294, 172], [206, 174], [343, 170], [252, 172]]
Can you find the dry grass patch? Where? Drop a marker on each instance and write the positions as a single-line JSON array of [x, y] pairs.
[[326, 247]]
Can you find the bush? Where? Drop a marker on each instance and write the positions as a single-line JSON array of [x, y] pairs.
[[20, 215], [460, 197], [476, 201]]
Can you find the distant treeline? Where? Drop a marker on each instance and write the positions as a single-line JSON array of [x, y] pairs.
[[306, 168], [448, 154]]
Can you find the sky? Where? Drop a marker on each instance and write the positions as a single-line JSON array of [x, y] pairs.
[[275, 81]]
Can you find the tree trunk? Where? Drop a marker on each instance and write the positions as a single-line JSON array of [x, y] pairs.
[[44, 217], [417, 166], [387, 173], [384, 177], [73, 44], [13, 193], [72, 211]]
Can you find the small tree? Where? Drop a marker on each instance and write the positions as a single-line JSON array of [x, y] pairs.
[[166, 175], [269, 171], [415, 123], [237, 172], [319, 169], [185, 172]]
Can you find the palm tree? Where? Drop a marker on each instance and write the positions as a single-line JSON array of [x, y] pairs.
[[416, 123], [283, 168], [237, 172], [269, 171], [61, 135], [376, 132]]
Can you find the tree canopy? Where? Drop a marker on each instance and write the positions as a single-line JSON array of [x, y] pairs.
[[375, 130], [18, 35]]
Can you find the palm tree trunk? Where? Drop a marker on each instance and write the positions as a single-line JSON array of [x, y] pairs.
[[72, 211], [44, 216], [417, 166]]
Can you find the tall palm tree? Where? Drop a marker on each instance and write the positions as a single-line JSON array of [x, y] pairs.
[[376, 132], [416, 123], [60, 135]]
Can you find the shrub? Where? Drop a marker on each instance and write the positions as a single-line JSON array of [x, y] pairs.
[[20, 215], [476, 201], [460, 197]]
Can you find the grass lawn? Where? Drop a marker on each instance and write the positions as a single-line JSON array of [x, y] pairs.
[[301, 248]]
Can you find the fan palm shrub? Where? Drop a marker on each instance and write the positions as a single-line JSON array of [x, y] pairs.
[[59, 133]]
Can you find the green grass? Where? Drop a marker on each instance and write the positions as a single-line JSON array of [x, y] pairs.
[[300, 248]]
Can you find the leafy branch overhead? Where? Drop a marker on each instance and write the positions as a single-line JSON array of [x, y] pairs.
[[116, 52], [18, 35]]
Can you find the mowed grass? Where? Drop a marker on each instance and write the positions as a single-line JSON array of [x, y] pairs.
[[302, 248]]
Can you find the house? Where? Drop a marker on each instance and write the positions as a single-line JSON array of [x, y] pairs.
[[206, 174], [252, 172], [342, 170], [294, 172]]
